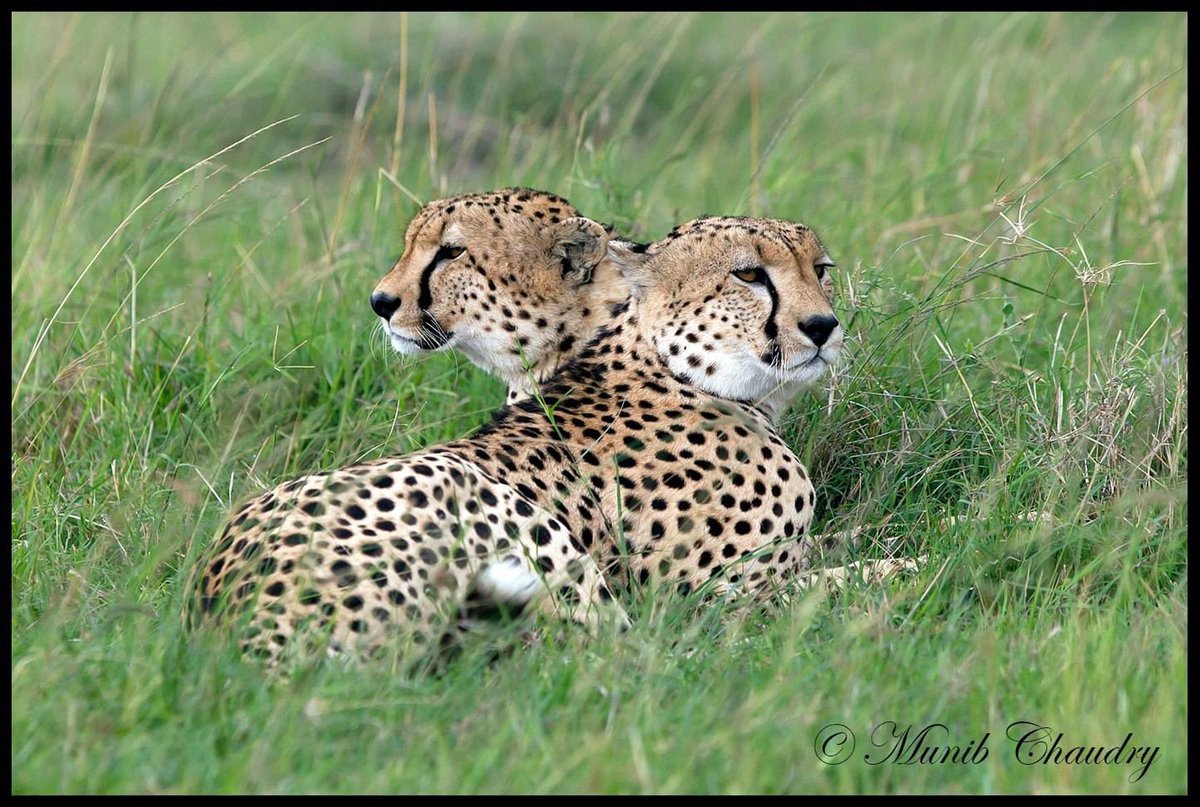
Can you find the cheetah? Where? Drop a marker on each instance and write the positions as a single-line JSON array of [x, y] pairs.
[[539, 307], [671, 409], [514, 279], [412, 549], [651, 453]]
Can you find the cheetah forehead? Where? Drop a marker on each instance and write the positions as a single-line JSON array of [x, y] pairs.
[[714, 228], [520, 206], [738, 240], [516, 201]]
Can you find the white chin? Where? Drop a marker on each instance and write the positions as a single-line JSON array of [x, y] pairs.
[[479, 351], [493, 354], [403, 345], [409, 347], [747, 378], [810, 371]]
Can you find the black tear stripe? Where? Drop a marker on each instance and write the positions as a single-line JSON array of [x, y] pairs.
[[771, 329], [772, 354], [431, 337], [425, 300]]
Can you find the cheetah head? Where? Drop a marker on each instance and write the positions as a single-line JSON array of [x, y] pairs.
[[740, 307], [511, 278]]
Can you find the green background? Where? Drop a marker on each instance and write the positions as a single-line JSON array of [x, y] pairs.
[[203, 203]]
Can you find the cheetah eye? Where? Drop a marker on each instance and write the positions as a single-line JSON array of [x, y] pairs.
[[753, 275], [448, 253], [821, 268]]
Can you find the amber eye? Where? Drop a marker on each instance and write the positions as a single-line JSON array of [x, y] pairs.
[[821, 268], [446, 253], [754, 275]]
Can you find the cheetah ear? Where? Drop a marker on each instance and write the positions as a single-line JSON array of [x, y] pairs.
[[632, 259], [580, 244]]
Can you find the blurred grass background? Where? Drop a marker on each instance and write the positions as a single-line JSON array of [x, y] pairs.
[[202, 204]]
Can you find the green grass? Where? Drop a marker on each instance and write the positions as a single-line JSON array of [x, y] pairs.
[[187, 330]]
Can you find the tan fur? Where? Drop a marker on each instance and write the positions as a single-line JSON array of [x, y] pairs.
[[713, 329], [531, 288], [622, 463]]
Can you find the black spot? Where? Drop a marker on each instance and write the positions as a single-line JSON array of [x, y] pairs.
[[344, 573]]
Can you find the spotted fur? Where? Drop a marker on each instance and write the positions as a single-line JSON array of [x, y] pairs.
[[634, 459], [759, 341], [515, 279]]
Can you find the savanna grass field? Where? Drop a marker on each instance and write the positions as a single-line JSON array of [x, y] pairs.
[[203, 203]]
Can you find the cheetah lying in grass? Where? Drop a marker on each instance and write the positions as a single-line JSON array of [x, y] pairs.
[[505, 277], [645, 449]]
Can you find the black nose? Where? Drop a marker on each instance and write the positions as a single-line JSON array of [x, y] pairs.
[[818, 328], [384, 304]]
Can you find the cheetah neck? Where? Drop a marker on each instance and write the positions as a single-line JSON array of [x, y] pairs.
[[623, 359], [578, 327], [583, 423]]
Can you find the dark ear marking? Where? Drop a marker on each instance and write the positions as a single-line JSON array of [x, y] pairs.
[[582, 275], [579, 244]]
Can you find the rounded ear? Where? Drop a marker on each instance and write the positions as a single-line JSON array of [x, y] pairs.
[[580, 244], [632, 259]]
